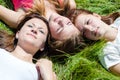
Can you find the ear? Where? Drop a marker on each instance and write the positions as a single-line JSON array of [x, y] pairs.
[[16, 36], [97, 15]]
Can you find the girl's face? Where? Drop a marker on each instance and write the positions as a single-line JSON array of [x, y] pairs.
[[61, 27], [34, 33], [90, 26]]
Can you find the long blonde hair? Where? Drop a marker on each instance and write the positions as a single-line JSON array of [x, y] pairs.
[[61, 9], [38, 7]]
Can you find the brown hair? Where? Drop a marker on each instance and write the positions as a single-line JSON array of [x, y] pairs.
[[61, 9], [39, 6], [109, 19], [73, 44], [9, 42], [6, 40]]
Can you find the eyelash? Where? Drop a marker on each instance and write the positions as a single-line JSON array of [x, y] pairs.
[[88, 21], [39, 29], [69, 23], [30, 26]]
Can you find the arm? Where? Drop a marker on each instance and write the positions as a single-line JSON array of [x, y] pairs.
[[115, 69], [44, 67], [72, 4], [110, 58], [10, 17]]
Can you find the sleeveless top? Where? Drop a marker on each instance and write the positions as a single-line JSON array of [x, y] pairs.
[[12, 68]]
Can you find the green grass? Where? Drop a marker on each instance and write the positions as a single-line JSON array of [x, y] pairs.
[[100, 6], [84, 65], [7, 4]]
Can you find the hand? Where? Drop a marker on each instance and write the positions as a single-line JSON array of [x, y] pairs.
[[44, 67]]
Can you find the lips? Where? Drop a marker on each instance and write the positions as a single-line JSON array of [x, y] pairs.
[[32, 35]]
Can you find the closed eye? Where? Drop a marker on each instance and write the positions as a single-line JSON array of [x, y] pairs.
[[30, 26], [41, 31], [88, 21], [69, 23]]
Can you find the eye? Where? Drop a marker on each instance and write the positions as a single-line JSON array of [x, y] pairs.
[[88, 21], [41, 31], [69, 23], [30, 26]]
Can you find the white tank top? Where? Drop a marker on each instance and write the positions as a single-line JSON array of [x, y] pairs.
[[12, 68]]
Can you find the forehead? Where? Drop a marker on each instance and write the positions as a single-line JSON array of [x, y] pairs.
[[38, 23], [83, 17], [36, 20], [80, 16]]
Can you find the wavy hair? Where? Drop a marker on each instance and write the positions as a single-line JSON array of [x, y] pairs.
[[9, 42], [108, 19], [39, 6], [73, 44]]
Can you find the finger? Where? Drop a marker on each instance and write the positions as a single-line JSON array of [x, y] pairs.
[[55, 76]]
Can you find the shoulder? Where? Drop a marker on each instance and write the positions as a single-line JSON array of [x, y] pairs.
[[2, 50], [117, 22]]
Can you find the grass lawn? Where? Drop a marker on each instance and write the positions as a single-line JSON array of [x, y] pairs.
[[84, 65]]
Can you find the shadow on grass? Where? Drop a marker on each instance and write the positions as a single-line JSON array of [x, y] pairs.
[[8, 4]]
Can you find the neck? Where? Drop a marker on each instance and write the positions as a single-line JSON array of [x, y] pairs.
[[23, 55], [111, 34]]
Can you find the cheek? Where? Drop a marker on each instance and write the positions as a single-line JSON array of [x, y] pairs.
[[22, 34], [53, 33], [52, 27], [42, 37], [79, 26], [95, 23], [88, 35]]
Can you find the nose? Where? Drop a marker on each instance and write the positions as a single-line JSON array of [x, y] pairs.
[[34, 31], [60, 23]]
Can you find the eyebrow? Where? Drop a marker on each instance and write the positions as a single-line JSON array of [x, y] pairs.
[[38, 27]]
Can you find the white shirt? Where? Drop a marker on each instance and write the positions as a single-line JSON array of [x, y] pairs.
[[12, 68], [111, 52]]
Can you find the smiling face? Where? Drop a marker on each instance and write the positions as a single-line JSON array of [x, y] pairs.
[[33, 33], [90, 26], [61, 27]]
